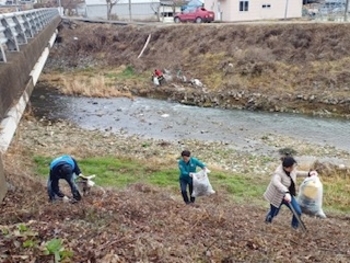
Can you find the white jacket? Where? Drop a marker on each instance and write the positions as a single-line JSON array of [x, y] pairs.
[[279, 185]]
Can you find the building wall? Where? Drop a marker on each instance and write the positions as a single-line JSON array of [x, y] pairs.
[[257, 9], [139, 11]]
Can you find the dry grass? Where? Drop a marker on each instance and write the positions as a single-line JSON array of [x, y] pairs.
[[86, 85], [255, 51]]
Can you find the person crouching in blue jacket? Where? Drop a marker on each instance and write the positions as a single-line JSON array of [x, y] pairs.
[[187, 166], [63, 167]]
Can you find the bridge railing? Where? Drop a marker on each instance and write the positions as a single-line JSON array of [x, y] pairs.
[[18, 28]]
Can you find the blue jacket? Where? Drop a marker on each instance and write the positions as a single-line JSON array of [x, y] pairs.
[[65, 159], [190, 167]]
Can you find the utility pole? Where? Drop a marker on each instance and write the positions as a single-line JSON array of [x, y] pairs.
[[59, 7], [286, 10], [130, 10], [346, 10]]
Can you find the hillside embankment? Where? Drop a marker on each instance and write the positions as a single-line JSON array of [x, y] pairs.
[[271, 67]]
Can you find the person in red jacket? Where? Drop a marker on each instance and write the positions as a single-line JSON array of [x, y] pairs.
[[158, 74]]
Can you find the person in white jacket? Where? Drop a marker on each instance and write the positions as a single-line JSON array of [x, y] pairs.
[[282, 189]]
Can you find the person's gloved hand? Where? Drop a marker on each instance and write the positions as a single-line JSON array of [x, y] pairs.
[[205, 169], [313, 173], [287, 197]]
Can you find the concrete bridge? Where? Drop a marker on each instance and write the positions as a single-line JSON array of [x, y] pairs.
[[25, 42]]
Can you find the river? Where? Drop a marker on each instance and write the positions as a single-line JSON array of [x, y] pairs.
[[172, 121]]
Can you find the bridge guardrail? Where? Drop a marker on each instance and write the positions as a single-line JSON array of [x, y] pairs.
[[19, 27]]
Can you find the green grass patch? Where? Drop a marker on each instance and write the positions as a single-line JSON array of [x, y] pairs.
[[336, 193], [117, 172], [242, 187], [111, 171], [125, 74]]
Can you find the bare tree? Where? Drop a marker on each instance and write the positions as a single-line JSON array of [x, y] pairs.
[[70, 5], [155, 6], [110, 4]]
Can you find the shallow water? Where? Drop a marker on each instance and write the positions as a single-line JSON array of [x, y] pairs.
[[171, 121]]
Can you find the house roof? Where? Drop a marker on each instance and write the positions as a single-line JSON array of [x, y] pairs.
[[172, 2]]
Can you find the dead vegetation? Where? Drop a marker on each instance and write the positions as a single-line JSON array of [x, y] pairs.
[[147, 224], [97, 86]]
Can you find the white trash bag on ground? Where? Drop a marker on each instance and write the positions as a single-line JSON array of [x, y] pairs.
[[201, 184], [310, 197], [156, 81]]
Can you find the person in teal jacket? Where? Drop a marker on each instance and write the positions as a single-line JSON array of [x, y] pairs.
[[187, 166]]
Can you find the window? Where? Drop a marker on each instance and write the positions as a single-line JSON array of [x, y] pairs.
[[243, 5], [266, 6], [166, 14]]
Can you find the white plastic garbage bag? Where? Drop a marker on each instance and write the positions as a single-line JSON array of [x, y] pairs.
[[86, 183], [310, 197], [201, 184], [156, 81]]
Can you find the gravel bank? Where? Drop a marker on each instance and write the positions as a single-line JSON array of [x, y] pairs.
[[45, 138]]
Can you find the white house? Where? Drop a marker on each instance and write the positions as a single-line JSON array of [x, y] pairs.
[[249, 10]]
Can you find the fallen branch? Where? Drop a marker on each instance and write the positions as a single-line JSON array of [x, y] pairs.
[[144, 47]]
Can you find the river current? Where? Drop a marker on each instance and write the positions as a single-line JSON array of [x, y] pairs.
[[166, 120]]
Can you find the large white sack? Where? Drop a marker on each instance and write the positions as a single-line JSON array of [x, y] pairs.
[[310, 196], [201, 184], [156, 81]]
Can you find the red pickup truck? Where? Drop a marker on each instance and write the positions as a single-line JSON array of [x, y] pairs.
[[197, 15]]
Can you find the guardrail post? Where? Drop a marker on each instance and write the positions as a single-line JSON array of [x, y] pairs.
[[38, 21], [12, 43], [3, 185], [21, 37], [2, 54], [26, 26], [32, 23]]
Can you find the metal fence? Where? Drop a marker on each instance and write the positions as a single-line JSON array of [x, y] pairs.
[[18, 28], [327, 11]]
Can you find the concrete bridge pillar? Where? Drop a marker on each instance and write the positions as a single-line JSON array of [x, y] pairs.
[[3, 186]]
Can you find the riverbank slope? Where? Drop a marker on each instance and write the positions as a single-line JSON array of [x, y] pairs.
[[271, 67], [143, 222]]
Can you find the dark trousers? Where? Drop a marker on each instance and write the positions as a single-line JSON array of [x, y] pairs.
[[161, 79], [183, 187], [274, 211], [53, 188]]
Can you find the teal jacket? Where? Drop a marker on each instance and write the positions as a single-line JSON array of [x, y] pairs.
[[190, 167]]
